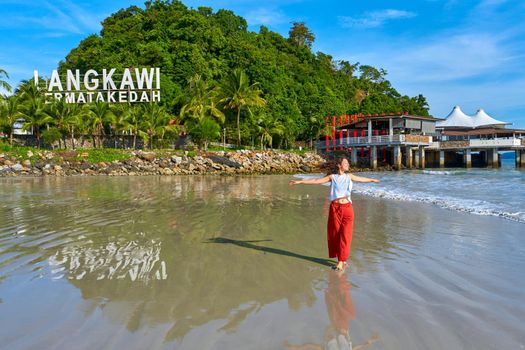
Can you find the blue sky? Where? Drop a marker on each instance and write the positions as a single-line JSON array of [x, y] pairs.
[[455, 52]]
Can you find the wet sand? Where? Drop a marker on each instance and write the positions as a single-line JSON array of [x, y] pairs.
[[241, 262]]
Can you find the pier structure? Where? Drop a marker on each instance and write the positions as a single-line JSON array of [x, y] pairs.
[[409, 141]]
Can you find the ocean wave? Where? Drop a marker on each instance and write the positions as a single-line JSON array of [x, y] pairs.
[[443, 172], [477, 207]]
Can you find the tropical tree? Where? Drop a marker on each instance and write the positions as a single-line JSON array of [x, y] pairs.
[[235, 92], [203, 101], [300, 35], [4, 84], [268, 127], [119, 121], [33, 109], [60, 112], [98, 114], [155, 122], [205, 131], [9, 113]]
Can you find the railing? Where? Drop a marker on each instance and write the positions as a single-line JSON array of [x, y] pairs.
[[376, 140], [503, 142]]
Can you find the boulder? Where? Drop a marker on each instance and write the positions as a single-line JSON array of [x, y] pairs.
[[17, 167]]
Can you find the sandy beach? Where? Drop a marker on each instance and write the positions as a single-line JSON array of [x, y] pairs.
[[241, 262]]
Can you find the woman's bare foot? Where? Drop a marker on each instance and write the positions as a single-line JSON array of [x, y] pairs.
[[341, 265]]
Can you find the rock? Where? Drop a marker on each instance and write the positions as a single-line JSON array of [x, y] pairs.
[[148, 156], [17, 167], [26, 163], [176, 159], [305, 168], [29, 154], [47, 167], [225, 161], [8, 162]]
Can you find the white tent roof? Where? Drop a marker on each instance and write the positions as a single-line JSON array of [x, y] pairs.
[[456, 119], [483, 119]]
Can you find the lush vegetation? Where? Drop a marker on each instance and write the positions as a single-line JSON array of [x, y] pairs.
[[261, 89]]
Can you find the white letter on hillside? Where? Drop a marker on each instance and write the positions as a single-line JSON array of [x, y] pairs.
[[145, 77], [127, 81], [94, 81], [158, 77], [55, 82], [106, 79], [73, 80]]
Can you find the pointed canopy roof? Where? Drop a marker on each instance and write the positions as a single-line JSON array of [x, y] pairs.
[[456, 119], [483, 119]]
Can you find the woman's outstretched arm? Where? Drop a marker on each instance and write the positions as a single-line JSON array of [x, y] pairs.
[[321, 180], [363, 179]]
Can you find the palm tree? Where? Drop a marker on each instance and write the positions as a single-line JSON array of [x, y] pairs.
[[235, 92], [98, 113], [60, 111], [4, 84], [155, 123], [33, 109], [119, 121], [9, 113], [203, 101], [267, 127]]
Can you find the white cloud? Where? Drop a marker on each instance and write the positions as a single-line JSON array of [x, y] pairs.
[[266, 17], [451, 58], [374, 19]]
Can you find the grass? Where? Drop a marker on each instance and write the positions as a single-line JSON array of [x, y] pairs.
[[106, 155]]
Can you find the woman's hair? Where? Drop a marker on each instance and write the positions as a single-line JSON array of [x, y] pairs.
[[331, 166]]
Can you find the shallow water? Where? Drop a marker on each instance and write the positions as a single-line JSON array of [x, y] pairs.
[[240, 262]]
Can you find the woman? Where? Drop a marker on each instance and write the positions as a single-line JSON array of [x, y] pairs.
[[341, 216]]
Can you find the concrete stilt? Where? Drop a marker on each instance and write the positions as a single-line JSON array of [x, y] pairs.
[[416, 159], [493, 158], [421, 152], [373, 157], [353, 156], [397, 157], [441, 159], [408, 157], [467, 158]]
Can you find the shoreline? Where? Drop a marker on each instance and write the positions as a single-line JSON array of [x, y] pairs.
[[139, 163]]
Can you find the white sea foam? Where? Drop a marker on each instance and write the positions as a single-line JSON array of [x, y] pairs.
[[494, 192], [477, 207]]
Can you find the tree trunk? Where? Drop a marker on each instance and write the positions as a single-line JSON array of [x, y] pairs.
[[134, 141], [73, 137], [239, 127], [11, 136]]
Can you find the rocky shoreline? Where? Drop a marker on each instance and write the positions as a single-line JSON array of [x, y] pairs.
[[242, 162]]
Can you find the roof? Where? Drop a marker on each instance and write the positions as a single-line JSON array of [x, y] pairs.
[[457, 119], [482, 131], [482, 118]]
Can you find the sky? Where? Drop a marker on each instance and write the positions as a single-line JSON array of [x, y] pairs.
[[469, 53]]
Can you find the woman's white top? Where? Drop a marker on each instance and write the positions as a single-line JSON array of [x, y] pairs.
[[340, 187]]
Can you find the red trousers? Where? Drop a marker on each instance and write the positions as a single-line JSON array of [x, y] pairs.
[[339, 232]]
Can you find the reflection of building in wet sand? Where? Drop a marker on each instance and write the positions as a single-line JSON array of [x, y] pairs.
[[115, 260]]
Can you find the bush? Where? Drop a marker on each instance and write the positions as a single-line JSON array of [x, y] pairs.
[[51, 135]]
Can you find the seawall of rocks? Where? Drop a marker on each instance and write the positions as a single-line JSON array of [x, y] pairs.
[[243, 162]]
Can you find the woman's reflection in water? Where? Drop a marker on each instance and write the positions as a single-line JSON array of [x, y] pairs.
[[340, 310]]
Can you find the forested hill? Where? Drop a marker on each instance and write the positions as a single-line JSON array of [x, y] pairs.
[[300, 87]]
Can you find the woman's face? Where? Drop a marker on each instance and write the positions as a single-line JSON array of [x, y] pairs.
[[344, 165]]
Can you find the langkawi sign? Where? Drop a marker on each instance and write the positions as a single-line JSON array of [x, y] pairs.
[[132, 85]]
